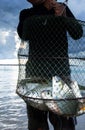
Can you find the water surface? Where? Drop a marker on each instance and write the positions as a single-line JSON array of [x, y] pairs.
[[12, 108]]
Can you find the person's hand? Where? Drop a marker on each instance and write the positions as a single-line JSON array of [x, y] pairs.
[[60, 9]]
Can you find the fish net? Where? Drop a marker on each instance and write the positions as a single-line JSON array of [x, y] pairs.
[[52, 64]]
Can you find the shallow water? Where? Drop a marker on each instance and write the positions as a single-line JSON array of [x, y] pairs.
[[12, 108]]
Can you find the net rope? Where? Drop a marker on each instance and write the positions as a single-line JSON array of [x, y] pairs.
[[52, 64]]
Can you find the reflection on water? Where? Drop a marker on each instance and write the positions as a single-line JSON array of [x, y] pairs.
[[12, 108]]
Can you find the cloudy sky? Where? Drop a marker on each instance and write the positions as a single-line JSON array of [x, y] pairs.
[[9, 13]]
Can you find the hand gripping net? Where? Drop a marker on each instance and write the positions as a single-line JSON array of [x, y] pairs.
[[52, 64]]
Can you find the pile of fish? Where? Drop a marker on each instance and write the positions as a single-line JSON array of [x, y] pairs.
[[56, 95]]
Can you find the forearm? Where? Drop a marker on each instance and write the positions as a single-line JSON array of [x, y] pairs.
[[74, 28]]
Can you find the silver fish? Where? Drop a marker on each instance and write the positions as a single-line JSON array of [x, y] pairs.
[[43, 95]]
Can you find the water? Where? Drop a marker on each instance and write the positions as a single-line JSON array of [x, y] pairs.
[[12, 108]]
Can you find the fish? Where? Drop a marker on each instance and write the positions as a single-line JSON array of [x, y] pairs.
[[31, 89], [55, 96], [61, 99]]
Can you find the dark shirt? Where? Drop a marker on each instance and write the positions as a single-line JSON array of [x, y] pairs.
[[48, 51], [36, 10]]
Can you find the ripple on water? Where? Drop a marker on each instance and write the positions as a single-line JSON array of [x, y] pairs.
[[12, 108]]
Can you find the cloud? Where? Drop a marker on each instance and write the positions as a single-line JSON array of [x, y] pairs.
[[9, 11], [8, 44], [3, 35], [17, 41], [9, 15], [78, 8]]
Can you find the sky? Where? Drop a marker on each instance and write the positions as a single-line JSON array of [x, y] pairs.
[[9, 15]]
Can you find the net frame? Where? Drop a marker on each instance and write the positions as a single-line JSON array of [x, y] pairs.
[[23, 56]]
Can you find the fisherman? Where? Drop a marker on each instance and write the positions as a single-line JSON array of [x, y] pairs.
[[38, 119]]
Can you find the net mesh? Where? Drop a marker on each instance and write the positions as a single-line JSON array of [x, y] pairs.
[[52, 64]]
